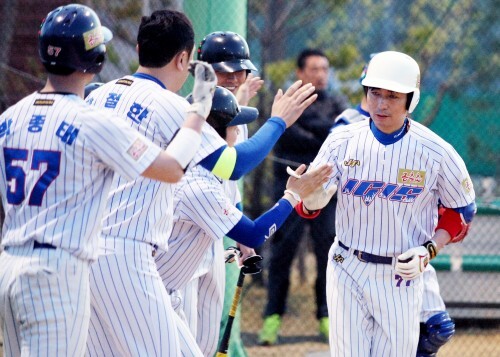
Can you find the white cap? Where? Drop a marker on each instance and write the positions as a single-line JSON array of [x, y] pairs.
[[394, 71]]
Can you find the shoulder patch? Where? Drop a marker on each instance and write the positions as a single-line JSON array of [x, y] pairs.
[[467, 185], [411, 177], [44, 102], [137, 149], [125, 82]]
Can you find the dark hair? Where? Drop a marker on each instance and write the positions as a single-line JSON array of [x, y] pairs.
[[409, 96], [301, 59], [214, 119], [59, 70], [163, 35]]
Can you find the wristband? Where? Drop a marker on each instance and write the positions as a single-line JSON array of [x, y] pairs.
[[184, 146], [300, 211], [431, 247], [295, 195]]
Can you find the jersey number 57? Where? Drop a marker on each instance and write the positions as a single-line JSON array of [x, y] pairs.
[[16, 176]]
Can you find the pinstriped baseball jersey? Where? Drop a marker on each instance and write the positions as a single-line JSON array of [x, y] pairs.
[[143, 210], [388, 194], [57, 164], [202, 214], [203, 299], [432, 300]]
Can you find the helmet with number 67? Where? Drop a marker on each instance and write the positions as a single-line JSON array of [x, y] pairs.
[[71, 38], [394, 71]]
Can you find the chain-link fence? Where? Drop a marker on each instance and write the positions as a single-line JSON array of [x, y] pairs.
[[456, 43]]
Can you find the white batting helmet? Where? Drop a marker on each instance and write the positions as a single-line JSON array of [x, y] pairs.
[[394, 71]]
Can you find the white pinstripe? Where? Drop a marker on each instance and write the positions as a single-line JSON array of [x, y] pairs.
[[433, 302], [377, 213], [203, 214], [45, 312], [363, 298], [56, 164], [138, 215]]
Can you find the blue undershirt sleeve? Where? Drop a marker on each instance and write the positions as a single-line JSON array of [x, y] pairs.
[[254, 233]]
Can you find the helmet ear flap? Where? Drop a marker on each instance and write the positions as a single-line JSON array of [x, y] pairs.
[[414, 100]]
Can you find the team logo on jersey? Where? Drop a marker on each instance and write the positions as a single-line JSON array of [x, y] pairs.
[[411, 177], [137, 149], [352, 163], [338, 258], [467, 185], [369, 190], [93, 38], [44, 102], [125, 82]]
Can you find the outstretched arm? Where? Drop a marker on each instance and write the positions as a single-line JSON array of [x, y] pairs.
[[233, 163], [254, 233]]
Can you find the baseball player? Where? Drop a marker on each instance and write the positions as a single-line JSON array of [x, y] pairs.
[[390, 172], [436, 325], [57, 161], [203, 214], [229, 55], [130, 305]]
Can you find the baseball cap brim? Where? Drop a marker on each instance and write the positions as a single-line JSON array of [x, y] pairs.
[[386, 84], [245, 116], [234, 66]]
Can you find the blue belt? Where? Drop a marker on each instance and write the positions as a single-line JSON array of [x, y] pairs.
[[38, 245], [367, 257]]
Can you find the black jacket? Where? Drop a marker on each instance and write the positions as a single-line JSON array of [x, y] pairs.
[[302, 141]]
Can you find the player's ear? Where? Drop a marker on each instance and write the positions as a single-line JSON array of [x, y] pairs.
[[137, 48], [182, 60]]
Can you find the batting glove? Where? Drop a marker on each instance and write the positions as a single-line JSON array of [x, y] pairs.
[[412, 263], [205, 81]]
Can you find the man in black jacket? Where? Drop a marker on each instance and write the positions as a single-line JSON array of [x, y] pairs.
[[300, 144]]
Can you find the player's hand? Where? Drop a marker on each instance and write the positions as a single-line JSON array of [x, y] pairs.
[[245, 252], [317, 199], [290, 105], [412, 263], [305, 184], [249, 89], [231, 253], [205, 81]]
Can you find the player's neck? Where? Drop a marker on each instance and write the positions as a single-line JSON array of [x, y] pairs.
[[169, 75], [74, 83]]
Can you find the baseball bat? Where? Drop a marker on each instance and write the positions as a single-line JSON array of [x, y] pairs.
[[224, 343], [249, 267]]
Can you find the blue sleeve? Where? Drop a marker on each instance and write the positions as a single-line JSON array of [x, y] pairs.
[[254, 233], [251, 152]]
